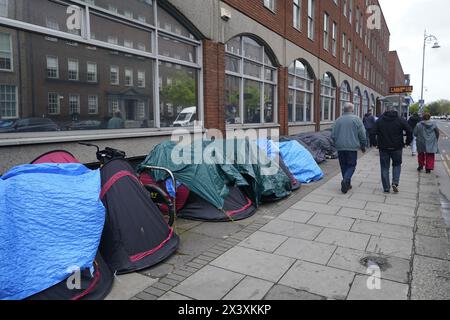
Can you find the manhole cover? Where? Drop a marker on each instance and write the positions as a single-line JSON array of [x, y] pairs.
[[381, 262]]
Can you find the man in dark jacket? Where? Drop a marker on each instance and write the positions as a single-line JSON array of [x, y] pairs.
[[390, 130], [369, 124], [413, 121]]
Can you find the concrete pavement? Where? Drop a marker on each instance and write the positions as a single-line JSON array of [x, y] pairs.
[[318, 246]]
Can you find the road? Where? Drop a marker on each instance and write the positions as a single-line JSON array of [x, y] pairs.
[[443, 172], [445, 144]]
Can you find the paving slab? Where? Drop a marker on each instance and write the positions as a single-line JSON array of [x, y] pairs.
[[359, 214], [292, 229], [320, 280], [390, 247], [433, 247], [389, 290], [127, 286], [316, 207], [306, 250], [279, 292], [328, 221], [348, 203], [431, 279], [254, 263], [368, 197], [429, 211], [344, 239], [383, 230], [210, 283], [349, 259], [397, 219], [317, 198], [172, 296], [402, 202], [249, 289], [389, 208], [296, 216], [263, 241], [431, 227], [217, 230]]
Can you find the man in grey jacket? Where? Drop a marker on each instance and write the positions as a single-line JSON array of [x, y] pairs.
[[349, 136]]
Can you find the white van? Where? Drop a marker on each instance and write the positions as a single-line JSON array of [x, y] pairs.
[[186, 117]]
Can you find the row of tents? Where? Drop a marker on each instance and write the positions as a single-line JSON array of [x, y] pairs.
[[65, 230]]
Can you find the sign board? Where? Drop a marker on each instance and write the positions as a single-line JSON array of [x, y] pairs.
[[400, 90]]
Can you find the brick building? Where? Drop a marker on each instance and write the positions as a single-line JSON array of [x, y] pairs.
[[288, 65], [396, 74]]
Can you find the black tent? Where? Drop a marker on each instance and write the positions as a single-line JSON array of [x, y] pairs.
[[237, 207], [136, 235], [94, 285]]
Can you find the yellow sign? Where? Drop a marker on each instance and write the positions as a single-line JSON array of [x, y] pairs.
[[403, 89]]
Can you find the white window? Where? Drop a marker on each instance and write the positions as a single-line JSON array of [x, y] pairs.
[[311, 10], [270, 4], [334, 39], [93, 104], [8, 102], [112, 8], [5, 52], [114, 75], [301, 93], [297, 14], [52, 67], [73, 69], [141, 79], [349, 53], [326, 31], [51, 23], [53, 103], [129, 77], [128, 44], [140, 112], [3, 8], [91, 72], [128, 14], [327, 98], [113, 40], [344, 50], [113, 105], [74, 104]]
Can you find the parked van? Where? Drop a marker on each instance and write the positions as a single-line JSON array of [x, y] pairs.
[[186, 117]]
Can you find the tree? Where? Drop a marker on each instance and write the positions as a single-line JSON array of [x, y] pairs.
[[181, 92], [414, 108], [438, 108]]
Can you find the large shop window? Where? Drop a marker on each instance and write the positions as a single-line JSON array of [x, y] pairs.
[[250, 84], [301, 93], [85, 64], [345, 94], [328, 97]]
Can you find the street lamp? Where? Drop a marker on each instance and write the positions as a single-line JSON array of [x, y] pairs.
[[428, 39]]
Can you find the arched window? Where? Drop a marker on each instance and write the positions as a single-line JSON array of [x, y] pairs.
[[357, 101], [301, 92], [346, 93], [373, 103], [365, 102], [250, 83], [328, 97]]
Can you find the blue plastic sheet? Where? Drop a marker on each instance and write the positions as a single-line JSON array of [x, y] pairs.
[[300, 162], [51, 221]]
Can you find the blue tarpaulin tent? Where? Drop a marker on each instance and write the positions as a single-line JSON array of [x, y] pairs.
[[51, 221], [300, 162]]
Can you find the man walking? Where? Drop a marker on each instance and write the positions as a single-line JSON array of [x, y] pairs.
[[349, 136], [369, 123], [390, 130]]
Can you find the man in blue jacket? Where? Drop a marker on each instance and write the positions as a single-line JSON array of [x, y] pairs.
[[349, 136]]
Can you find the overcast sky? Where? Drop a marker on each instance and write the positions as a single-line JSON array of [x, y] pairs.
[[407, 21]]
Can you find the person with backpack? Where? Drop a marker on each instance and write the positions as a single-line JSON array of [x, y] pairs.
[[427, 135], [390, 130]]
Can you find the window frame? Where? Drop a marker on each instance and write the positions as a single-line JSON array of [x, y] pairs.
[[311, 79], [16, 95], [10, 53]]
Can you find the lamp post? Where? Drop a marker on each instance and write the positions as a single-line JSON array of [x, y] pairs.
[[428, 38]]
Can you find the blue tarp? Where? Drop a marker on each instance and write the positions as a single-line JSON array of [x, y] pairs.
[[51, 221], [300, 162]]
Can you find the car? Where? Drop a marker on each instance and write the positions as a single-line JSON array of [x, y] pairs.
[[28, 125], [84, 125]]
